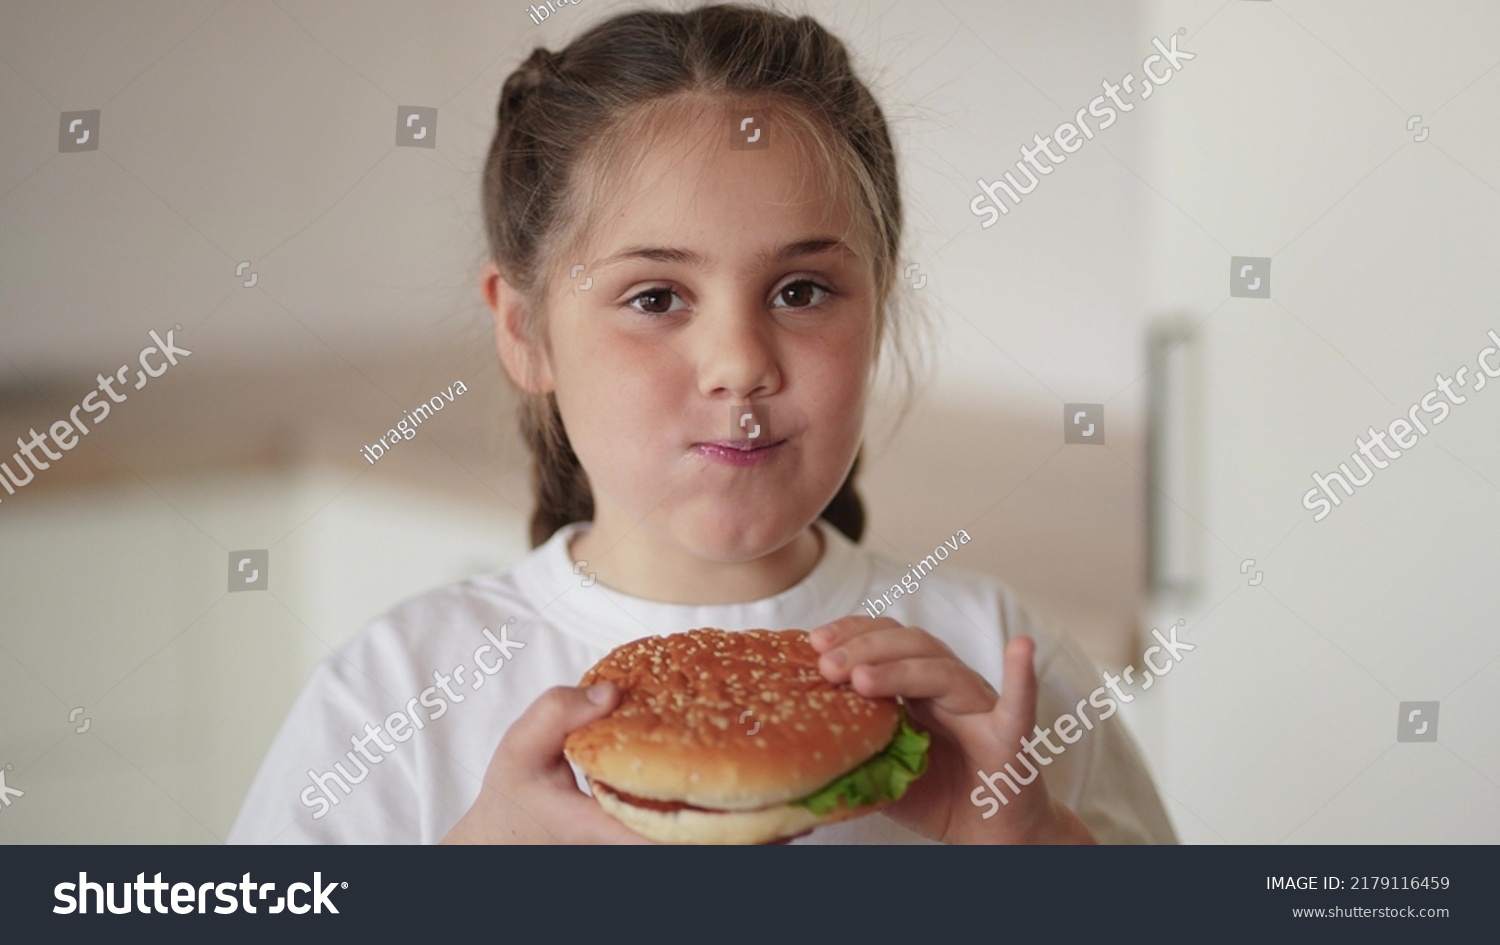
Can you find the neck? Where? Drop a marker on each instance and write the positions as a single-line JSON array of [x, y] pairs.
[[640, 563]]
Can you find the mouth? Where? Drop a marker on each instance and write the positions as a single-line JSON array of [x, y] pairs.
[[743, 446], [738, 452]]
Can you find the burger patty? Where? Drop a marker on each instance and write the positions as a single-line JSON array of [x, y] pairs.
[[649, 804]]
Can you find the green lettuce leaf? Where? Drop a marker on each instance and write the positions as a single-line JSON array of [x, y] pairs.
[[884, 777]]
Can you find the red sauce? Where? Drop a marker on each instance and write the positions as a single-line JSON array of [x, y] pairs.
[[650, 804]]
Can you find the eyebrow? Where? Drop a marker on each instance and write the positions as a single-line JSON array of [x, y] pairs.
[[667, 254]]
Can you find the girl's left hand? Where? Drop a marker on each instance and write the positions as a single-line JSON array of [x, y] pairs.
[[972, 728]]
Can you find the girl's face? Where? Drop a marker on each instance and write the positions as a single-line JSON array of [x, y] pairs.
[[720, 278]]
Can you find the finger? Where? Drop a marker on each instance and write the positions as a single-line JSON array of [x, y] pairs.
[[570, 817], [534, 741], [952, 686], [592, 824], [611, 831], [830, 635], [1016, 710], [880, 646]]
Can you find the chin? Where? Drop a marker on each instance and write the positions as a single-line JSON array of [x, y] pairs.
[[742, 536]]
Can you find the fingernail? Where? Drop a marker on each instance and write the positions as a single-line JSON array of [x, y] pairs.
[[837, 658], [598, 693], [821, 635]]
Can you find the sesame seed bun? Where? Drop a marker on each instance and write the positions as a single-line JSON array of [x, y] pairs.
[[735, 724]]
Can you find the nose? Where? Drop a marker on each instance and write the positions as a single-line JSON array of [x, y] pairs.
[[737, 354]]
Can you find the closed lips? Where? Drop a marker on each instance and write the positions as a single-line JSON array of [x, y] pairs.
[[742, 445]]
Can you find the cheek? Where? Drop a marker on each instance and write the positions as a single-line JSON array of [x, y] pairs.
[[614, 391], [837, 376]]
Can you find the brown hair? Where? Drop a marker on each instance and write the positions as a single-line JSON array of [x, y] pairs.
[[580, 108]]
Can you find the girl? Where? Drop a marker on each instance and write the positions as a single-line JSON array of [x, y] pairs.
[[694, 397]]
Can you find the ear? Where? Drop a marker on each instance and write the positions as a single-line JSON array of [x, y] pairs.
[[525, 360]]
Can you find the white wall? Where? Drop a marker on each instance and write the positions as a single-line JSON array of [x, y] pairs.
[[117, 603], [1287, 138]]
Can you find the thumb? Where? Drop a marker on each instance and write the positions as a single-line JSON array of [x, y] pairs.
[[535, 740], [1016, 710]]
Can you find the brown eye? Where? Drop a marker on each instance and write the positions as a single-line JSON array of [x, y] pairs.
[[657, 301], [801, 294]]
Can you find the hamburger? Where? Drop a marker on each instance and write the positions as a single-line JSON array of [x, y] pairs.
[[736, 737]]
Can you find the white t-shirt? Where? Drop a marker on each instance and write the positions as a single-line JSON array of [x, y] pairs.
[[439, 679]]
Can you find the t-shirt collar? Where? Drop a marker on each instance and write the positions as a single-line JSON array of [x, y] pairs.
[[567, 596]]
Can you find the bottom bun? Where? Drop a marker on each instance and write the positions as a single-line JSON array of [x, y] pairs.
[[728, 827]]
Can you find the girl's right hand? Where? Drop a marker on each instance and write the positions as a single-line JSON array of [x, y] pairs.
[[529, 794]]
